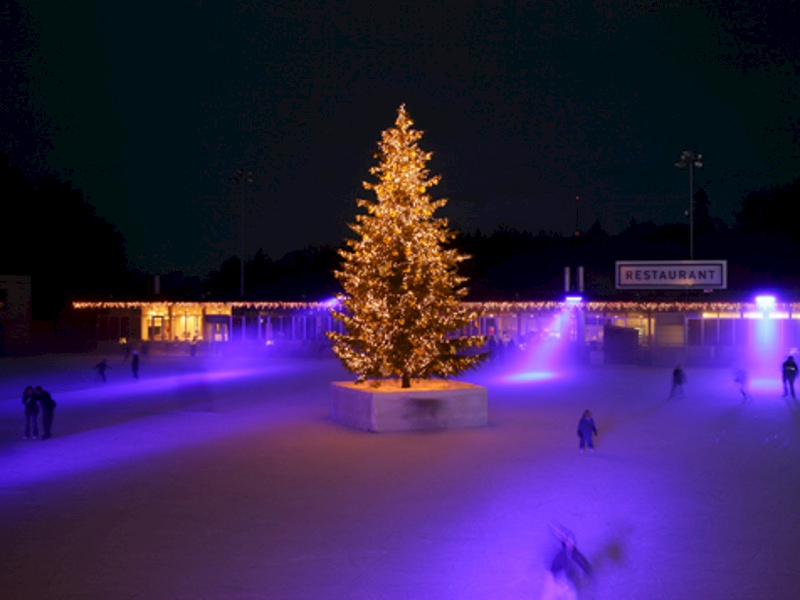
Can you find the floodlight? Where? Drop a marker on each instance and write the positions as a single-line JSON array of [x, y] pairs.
[[693, 160], [330, 302], [765, 302]]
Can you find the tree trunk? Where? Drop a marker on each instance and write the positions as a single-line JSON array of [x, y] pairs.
[[406, 381]]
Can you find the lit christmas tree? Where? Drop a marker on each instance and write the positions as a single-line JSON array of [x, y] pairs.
[[401, 310]]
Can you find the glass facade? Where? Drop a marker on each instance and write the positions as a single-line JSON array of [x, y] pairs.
[[703, 331]]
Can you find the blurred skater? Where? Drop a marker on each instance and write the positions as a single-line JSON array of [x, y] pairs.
[[48, 406], [740, 378], [586, 431], [678, 380], [789, 375], [31, 413], [135, 364], [569, 568], [101, 369], [570, 562]]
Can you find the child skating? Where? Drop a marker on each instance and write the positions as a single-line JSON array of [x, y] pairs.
[[678, 380], [586, 431]]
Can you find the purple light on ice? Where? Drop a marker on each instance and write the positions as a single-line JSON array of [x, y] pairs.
[[544, 355], [530, 376], [175, 410], [766, 351]]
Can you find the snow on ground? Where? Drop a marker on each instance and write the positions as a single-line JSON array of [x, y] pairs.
[[225, 479]]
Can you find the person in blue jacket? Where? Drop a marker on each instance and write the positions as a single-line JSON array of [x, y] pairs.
[[586, 429]]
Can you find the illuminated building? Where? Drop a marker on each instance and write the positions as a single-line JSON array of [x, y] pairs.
[[665, 332]]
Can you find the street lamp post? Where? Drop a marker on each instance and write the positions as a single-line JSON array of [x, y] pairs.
[[239, 176], [691, 159]]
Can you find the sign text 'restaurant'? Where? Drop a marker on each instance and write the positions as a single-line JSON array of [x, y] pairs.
[[664, 275]]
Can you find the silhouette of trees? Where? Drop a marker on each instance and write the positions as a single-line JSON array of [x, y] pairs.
[[55, 237], [305, 274], [770, 212]]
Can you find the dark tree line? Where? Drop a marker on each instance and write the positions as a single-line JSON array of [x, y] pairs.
[[301, 275], [760, 247], [53, 234]]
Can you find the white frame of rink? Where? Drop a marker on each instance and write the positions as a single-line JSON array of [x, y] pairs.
[[665, 332]]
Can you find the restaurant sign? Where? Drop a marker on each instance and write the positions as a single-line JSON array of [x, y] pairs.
[[672, 274]]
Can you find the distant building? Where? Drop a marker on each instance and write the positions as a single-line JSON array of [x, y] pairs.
[[657, 333], [15, 314]]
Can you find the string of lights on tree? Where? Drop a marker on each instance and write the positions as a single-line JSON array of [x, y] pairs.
[[402, 291]]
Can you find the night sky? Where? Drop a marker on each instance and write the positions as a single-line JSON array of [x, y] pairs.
[[149, 108]]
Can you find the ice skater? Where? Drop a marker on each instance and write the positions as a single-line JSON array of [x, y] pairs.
[[740, 378], [101, 369], [569, 568], [135, 364], [678, 380], [586, 431], [789, 375], [31, 413], [48, 405]]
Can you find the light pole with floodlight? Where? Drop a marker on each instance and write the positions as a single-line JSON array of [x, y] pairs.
[[691, 159], [239, 176]]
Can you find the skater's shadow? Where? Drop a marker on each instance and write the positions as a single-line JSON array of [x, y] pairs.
[[611, 554]]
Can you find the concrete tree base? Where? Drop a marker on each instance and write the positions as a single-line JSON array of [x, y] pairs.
[[433, 404]]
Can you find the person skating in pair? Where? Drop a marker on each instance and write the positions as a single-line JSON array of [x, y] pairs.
[[31, 413], [48, 406]]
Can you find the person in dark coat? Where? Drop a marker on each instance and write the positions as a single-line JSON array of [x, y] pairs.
[[678, 379], [586, 429], [135, 364], [48, 406], [789, 375], [31, 413], [101, 369]]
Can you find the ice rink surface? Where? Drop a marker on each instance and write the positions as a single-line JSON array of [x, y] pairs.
[[215, 478]]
